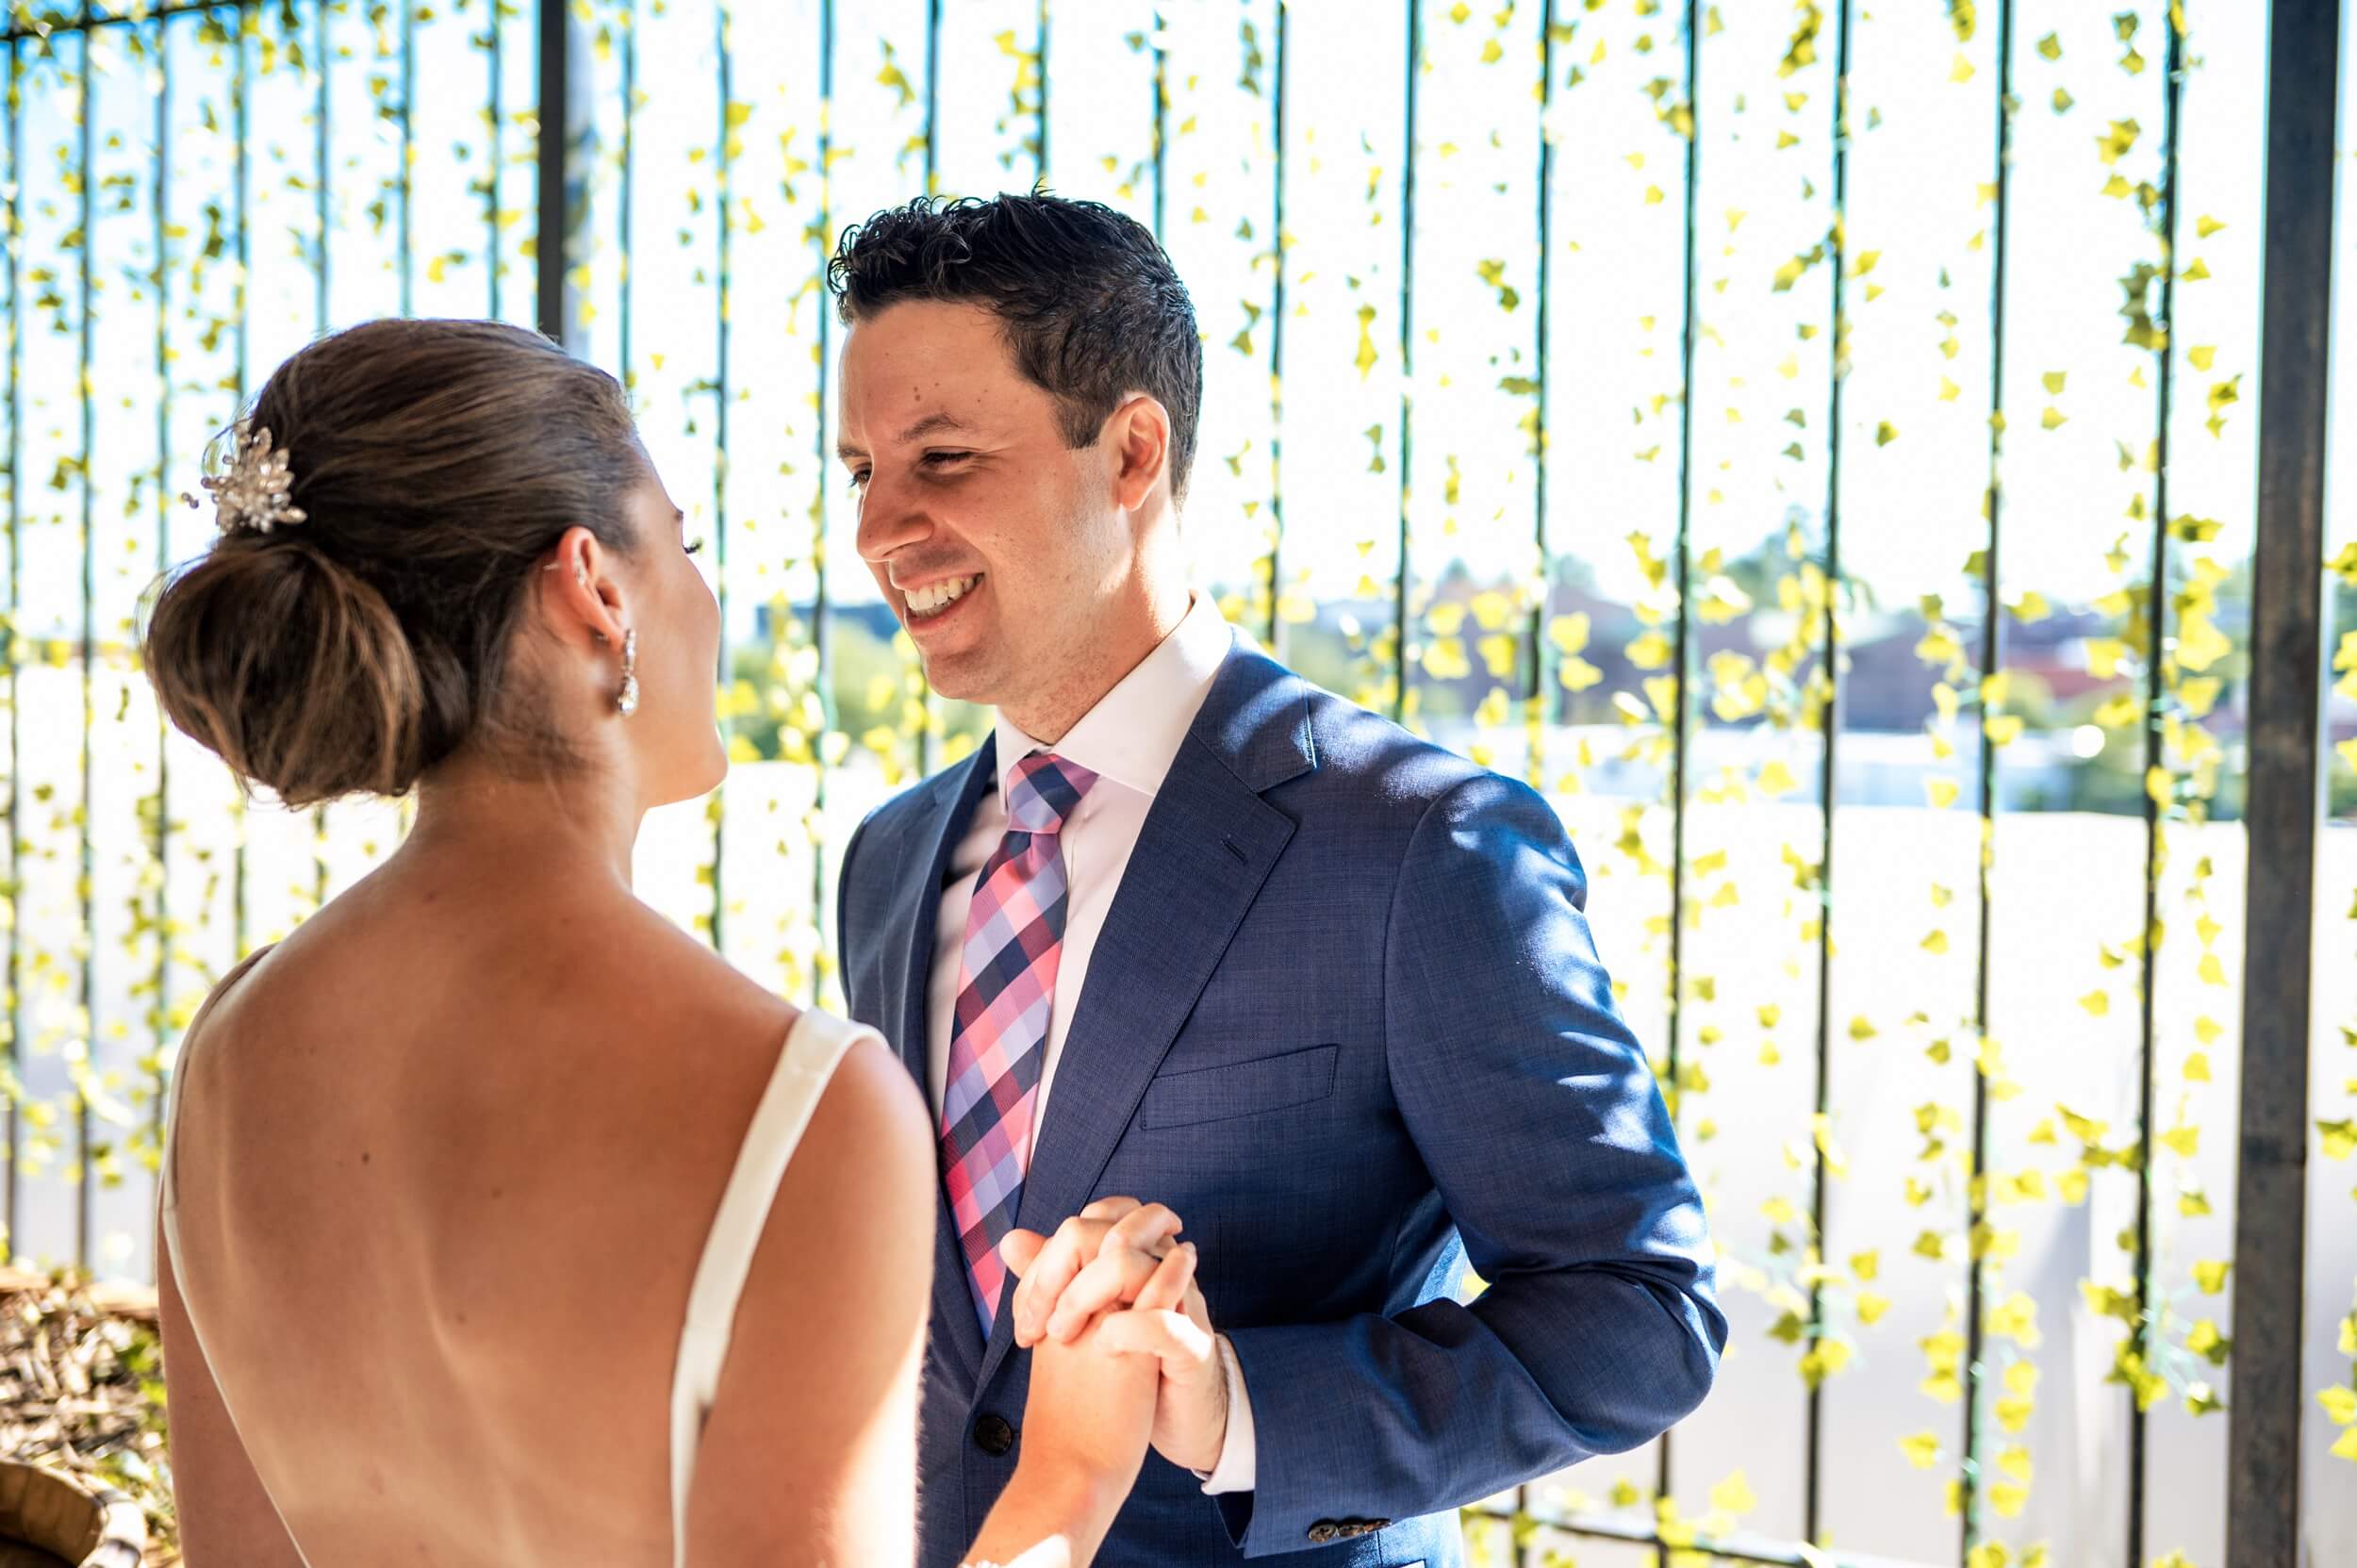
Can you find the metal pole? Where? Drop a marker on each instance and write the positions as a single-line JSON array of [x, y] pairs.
[[2286, 698], [1689, 336], [1813, 1465], [1992, 660], [556, 89]]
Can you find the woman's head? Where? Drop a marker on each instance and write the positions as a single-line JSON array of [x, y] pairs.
[[480, 532]]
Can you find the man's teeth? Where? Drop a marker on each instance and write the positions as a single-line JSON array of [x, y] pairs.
[[938, 597]]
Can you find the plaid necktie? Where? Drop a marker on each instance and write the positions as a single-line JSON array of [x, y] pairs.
[[999, 1035]]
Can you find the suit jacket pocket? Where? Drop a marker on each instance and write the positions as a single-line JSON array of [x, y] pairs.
[[1240, 1089]]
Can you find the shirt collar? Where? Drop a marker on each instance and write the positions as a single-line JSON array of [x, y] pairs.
[[1133, 733]]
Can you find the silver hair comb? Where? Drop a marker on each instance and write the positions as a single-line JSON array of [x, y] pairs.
[[253, 494]]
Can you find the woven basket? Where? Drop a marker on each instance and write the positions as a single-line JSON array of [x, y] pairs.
[[51, 1521]]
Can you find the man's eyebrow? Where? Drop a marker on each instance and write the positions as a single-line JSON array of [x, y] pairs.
[[931, 423]]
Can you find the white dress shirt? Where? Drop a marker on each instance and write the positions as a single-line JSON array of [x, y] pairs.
[[1129, 740]]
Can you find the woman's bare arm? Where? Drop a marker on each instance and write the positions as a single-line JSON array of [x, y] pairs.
[[226, 1517]]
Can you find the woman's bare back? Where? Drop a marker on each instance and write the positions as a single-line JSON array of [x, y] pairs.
[[446, 1163]]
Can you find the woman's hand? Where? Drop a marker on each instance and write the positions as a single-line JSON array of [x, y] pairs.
[[1078, 1280], [1085, 1427]]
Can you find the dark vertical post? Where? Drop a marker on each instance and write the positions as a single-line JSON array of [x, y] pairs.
[[1689, 335], [1162, 121], [241, 125], [13, 112], [820, 638], [1407, 355], [1829, 718], [1277, 326], [495, 30], [1992, 659], [2287, 696], [322, 207], [1039, 160], [553, 146], [408, 148], [2155, 817], [629, 190], [87, 169], [160, 1009], [1541, 689], [726, 132]]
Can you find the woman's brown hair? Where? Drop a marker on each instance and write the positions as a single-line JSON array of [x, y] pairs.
[[437, 462]]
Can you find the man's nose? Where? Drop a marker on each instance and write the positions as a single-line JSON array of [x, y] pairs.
[[889, 520]]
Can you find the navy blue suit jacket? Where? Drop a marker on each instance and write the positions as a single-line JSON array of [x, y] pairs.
[[1346, 1019]]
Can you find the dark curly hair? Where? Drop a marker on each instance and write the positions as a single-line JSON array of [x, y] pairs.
[[1091, 307]]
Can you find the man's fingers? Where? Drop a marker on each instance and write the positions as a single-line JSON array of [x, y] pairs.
[[1019, 1249], [1172, 1338], [1111, 1280], [1168, 1290], [1106, 1227], [1141, 1229]]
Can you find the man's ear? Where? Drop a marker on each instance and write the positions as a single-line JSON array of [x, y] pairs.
[[1139, 433]]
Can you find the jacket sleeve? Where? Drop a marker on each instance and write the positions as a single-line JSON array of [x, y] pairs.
[[1538, 1118]]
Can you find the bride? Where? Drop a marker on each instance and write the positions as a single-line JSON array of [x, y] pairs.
[[501, 1222]]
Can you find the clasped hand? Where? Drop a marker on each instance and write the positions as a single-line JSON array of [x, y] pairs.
[[1115, 1279]]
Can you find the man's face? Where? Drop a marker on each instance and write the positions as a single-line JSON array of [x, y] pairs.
[[998, 547]]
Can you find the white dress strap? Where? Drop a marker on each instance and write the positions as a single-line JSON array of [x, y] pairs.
[[814, 1048]]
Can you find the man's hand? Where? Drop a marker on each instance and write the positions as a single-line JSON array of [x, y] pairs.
[[1097, 1260]]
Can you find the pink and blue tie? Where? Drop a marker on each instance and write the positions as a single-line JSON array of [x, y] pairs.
[[999, 1035]]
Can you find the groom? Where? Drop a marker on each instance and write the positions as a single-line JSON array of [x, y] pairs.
[[1187, 926]]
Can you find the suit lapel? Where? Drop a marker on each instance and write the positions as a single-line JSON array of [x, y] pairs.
[[1208, 845], [919, 914]]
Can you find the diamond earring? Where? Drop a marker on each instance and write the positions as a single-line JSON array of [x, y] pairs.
[[628, 699]]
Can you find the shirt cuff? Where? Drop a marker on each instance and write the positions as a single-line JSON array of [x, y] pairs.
[[1239, 1456]]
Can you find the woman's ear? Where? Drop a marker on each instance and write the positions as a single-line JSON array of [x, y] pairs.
[[577, 593]]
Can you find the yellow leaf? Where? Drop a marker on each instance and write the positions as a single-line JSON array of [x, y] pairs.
[[2210, 1274], [2340, 1404], [1885, 433], [1923, 1450], [2202, 358], [1943, 792], [2007, 1498], [2340, 1137], [1734, 1495], [2184, 1140], [2014, 1460], [1860, 1029], [2096, 1002], [2344, 1445]]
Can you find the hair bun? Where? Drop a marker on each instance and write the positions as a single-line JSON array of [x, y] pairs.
[[292, 668]]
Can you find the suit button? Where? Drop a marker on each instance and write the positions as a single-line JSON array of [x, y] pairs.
[[993, 1436]]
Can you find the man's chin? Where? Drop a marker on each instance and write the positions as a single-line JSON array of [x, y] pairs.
[[960, 676]]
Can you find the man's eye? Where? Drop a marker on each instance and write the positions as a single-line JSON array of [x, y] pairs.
[[936, 459]]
